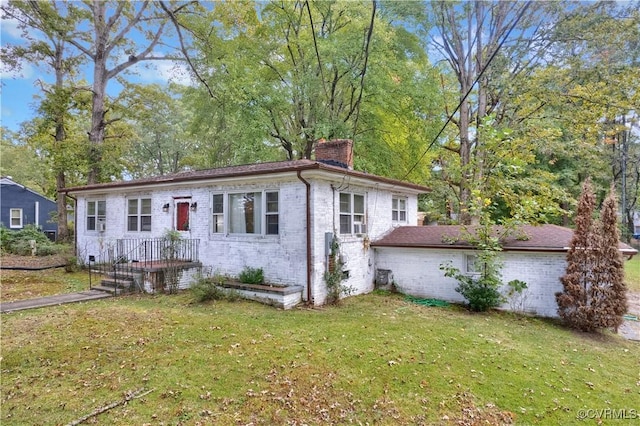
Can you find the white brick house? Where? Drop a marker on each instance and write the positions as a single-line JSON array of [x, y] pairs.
[[281, 216], [274, 216], [410, 257]]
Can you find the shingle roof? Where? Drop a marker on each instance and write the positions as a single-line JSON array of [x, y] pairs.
[[526, 238], [247, 170]]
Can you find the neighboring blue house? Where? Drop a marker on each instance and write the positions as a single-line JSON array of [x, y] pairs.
[[20, 206]]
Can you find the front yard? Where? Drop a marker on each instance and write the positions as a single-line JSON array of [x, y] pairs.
[[375, 359]]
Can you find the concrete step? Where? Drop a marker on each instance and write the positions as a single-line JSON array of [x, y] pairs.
[[124, 275], [104, 289], [117, 283]]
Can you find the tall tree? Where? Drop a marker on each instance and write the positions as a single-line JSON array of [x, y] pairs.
[[594, 293], [486, 45], [304, 64], [22, 163], [282, 75], [610, 270], [581, 101], [574, 302], [113, 36], [50, 48], [162, 143]]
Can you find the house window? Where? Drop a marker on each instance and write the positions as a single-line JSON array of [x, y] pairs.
[[352, 214], [96, 215], [271, 213], [248, 213], [139, 214], [218, 214], [15, 218], [472, 266], [399, 209]]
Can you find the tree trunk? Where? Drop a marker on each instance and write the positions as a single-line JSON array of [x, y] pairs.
[[60, 138], [96, 134], [61, 201]]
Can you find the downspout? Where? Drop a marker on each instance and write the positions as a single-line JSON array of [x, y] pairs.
[[308, 218]]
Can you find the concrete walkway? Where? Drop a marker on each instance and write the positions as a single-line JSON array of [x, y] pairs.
[[58, 299]]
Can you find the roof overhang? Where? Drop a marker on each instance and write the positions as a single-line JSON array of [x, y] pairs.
[[242, 174]]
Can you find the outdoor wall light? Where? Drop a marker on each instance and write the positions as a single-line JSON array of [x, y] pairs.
[[165, 208], [194, 207]]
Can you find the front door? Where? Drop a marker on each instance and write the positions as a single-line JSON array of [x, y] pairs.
[[182, 214]]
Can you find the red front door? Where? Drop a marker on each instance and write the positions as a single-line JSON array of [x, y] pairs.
[[182, 216]]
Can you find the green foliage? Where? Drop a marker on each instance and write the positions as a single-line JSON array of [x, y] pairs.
[[72, 264], [6, 236], [516, 295], [251, 275], [295, 72], [18, 242], [163, 144], [516, 286], [172, 235], [481, 288], [334, 276], [204, 289], [481, 294]]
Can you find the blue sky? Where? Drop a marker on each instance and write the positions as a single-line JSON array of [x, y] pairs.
[[18, 89]]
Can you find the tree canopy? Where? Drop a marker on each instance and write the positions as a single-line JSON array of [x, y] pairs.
[[515, 102]]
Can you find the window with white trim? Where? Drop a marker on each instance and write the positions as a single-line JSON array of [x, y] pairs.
[[139, 215], [96, 214], [399, 209], [272, 217], [15, 220], [246, 213], [217, 226], [352, 213], [471, 264]]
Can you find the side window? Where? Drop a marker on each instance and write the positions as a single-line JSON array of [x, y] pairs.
[[471, 264], [399, 209], [271, 213], [345, 213], [352, 213], [96, 215], [15, 218]]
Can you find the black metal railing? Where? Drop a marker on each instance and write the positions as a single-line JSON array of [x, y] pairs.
[[126, 259]]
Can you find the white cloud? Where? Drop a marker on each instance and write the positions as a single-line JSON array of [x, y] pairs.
[[164, 71], [25, 71], [10, 28]]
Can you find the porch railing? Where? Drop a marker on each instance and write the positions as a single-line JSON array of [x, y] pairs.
[[128, 256]]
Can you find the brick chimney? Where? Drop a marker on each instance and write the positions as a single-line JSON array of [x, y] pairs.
[[336, 152]]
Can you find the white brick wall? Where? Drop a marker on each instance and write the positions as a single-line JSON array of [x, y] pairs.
[[283, 256], [357, 255], [417, 272]]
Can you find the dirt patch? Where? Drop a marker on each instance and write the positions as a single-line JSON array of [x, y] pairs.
[[12, 261]]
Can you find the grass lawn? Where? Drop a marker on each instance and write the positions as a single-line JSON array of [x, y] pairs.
[[632, 273], [376, 359], [19, 285]]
